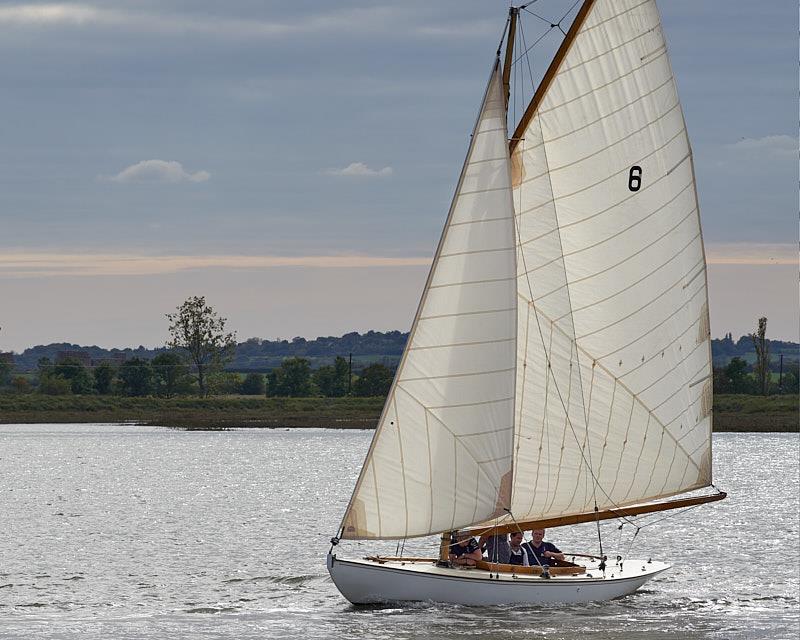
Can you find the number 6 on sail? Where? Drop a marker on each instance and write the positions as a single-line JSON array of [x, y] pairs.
[[550, 375]]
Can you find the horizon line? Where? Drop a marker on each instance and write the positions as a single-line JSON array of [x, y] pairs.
[[33, 264]]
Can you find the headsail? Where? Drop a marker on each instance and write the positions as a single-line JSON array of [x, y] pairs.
[[613, 396], [441, 455]]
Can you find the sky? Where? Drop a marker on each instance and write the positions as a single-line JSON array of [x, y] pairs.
[[294, 161]]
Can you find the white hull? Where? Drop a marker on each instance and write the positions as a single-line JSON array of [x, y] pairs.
[[367, 582]]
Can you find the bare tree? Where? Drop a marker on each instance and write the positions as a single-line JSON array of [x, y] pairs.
[[761, 367], [196, 329]]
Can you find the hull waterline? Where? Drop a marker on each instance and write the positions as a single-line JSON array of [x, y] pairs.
[[366, 582]]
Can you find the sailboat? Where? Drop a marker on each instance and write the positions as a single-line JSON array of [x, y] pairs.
[[558, 369]]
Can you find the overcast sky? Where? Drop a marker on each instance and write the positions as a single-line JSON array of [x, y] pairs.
[[294, 161]]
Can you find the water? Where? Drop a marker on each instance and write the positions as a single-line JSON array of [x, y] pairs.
[[112, 531]]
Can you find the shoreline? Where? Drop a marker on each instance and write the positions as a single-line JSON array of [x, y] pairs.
[[731, 413]]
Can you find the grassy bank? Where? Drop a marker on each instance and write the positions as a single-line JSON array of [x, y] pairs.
[[731, 412]]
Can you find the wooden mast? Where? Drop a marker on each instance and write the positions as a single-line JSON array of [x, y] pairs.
[[622, 512], [555, 64], [512, 31]]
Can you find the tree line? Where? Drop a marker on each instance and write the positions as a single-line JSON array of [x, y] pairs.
[[199, 348]]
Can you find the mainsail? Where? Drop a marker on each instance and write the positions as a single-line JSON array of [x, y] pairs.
[[441, 455], [613, 390], [560, 361]]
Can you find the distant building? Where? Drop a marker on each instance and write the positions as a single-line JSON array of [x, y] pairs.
[[81, 356]]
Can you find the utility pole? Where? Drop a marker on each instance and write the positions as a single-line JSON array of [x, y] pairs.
[[780, 377], [350, 373]]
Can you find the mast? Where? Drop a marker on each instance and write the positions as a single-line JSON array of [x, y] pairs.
[[513, 12]]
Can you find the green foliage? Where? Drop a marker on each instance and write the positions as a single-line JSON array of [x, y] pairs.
[[375, 380], [197, 329], [104, 378], [734, 378], [21, 384], [761, 367], [222, 383], [79, 378], [53, 385], [136, 377], [169, 374], [291, 379], [5, 373], [332, 381], [253, 385]]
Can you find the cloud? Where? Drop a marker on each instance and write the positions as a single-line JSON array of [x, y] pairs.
[[781, 145], [358, 169], [168, 171], [32, 265], [366, 20]]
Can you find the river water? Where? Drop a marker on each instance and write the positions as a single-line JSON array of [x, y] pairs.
[[121, 531]]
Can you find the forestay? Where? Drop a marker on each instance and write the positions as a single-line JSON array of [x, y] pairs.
[[441, 455], [613, 396]]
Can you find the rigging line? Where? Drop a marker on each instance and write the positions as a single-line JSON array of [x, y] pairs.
[[561, 19], [527, 57], [536, 15], [503, 36], [537, 41]]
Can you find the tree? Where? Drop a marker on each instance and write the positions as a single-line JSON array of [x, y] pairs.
[[104, 378], [136, 377], [253, 385], [169, 372], [761, 368], [80, 380], [375, 380], [734, 378], [197, 329], [332, 380], [21, 384], [291, 379], [5, 373]]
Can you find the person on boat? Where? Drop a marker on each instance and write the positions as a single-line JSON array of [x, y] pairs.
[[495, 548], [541, 552], [518, 555], [465, 551]]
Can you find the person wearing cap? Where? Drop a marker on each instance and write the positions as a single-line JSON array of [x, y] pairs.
[[465, 550]]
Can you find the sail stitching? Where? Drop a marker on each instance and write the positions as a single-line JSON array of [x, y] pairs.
[[475, 251], [610, 374], [402, 460], [603, 117], [632, 285], [602, 271], [461, 344], [465, 313], [458, 284], [661, 350], [551, 201], [602, 86], [458, 224], [608, 239], [644, 306], [583, 62], [671, 370], [457, 375], [649, 331], [611, 145], [681, 389]]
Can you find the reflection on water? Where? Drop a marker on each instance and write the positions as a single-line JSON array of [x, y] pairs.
[[136, 532]]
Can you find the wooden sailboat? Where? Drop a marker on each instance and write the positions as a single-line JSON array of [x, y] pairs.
[[558, 369]]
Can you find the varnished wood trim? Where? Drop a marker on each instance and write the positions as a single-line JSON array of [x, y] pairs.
[[624, 512], [552, 70]]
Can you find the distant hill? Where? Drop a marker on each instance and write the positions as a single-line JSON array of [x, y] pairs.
[[256, 354]]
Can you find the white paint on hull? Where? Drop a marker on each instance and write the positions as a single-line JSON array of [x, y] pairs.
[[367, 582]]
